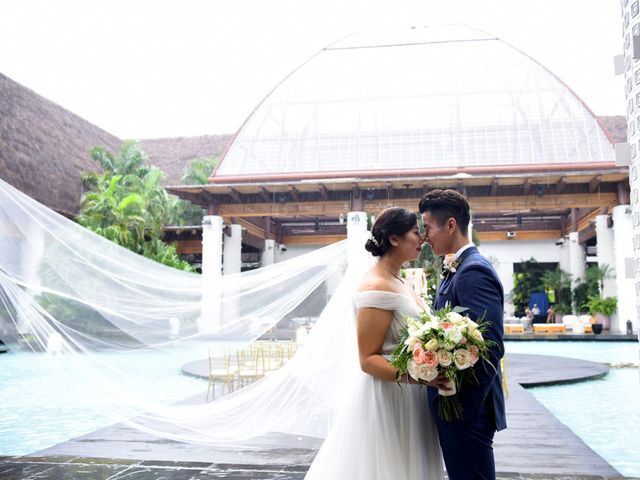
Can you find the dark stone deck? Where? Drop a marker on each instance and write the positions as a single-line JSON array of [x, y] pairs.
[[535, 446]]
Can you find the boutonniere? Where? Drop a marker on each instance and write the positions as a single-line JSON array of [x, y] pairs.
[[450, 264]]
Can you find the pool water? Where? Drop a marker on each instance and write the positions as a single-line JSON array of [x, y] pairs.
[[43, 405], [605, 412]]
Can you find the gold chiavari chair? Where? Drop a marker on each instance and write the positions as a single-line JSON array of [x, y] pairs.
[[249, 363], [221, 373]]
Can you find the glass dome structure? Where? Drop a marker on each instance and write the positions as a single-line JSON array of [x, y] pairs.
[[417, 99]]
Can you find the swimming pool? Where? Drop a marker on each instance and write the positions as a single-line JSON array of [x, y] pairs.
[[41, 408], [604, 413]]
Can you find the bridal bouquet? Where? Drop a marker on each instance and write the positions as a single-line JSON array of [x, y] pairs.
[[441, 341]]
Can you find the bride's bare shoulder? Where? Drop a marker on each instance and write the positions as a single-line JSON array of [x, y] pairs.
[[374, 282]]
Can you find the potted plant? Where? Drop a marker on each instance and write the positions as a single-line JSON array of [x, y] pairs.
[[562, 309], [601, 308]]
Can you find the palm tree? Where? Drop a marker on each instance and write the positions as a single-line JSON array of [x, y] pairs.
[[598, 274], [559, 281], [199, 171], [128, 204]]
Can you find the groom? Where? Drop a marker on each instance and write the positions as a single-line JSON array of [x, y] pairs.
[[467, 443]]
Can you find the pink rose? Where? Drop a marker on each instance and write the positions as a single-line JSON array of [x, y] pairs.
[[431, 359], [474, 354], [446, 325], [418, 354]]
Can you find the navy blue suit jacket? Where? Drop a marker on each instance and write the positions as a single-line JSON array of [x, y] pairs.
[[476, 285]]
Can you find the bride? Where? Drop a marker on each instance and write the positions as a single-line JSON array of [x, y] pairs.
[[383, 431]]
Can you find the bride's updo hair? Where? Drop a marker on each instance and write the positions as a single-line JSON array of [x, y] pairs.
[[392, 221]]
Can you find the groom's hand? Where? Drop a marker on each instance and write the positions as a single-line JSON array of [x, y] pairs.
[[440, 382]]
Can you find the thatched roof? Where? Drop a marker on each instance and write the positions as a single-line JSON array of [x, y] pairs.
[[44, 148], [173, 154]]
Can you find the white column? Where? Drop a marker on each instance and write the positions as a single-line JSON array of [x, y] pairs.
[[623, 248], [632, 89], [357, 235], [563, 255], [576, 259], [606, 255], [232, 250], [269, 252], [505, 273], [211, 272]]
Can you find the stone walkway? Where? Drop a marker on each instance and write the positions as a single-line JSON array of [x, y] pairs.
[[535, 446], [92, 469]]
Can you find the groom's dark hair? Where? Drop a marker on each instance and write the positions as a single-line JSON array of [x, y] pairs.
[[444, 204]]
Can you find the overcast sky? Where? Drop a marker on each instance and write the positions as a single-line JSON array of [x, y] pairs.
[[156, 68]]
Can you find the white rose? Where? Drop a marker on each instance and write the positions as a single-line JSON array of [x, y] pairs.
[[477, 335], [411, 340], [421, 372], [412, 369], [471, 325], [453, 335], [432, 345], [427, 373], [444, 358], [413, 333], [462, 358], [455, 317]]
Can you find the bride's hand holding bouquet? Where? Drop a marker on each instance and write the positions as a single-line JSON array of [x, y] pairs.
[[441, 343]]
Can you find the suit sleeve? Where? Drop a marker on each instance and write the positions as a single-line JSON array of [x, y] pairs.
[[480, 291]]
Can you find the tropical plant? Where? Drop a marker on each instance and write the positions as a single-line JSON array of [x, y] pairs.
[[592, 285], [563, 308], [199, 170], [559, 282], [598, 274], [128, 204], [604, 305], [527, 278]]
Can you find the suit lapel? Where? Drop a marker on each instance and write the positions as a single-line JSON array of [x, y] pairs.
[[443, 290]]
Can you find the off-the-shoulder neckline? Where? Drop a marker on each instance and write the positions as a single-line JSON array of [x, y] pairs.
[[402, 295], [382, 291]]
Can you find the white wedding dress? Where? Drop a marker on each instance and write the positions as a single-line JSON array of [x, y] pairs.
[[383, 431]]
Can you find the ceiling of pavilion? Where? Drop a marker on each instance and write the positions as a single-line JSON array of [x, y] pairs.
[[416, 99]]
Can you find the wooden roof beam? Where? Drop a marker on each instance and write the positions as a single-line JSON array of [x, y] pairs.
[[295, 193], [324, 193], [235, 194], [562, 183], [595, 183], [478, 205], [494, 186]]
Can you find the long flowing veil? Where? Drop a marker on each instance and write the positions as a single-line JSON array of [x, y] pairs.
[[66, 290]]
